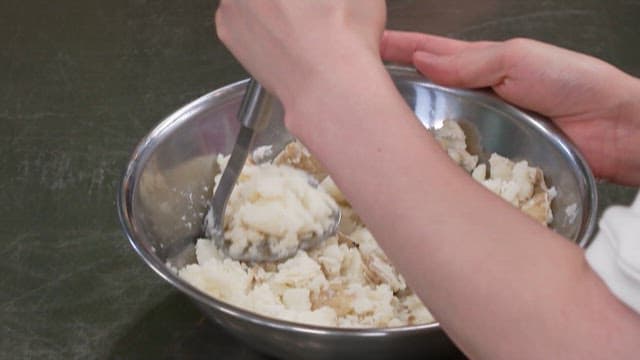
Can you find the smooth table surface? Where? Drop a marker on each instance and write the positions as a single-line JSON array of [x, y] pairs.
[[83, 81]]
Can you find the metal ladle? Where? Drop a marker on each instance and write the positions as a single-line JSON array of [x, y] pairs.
[[255, 111]]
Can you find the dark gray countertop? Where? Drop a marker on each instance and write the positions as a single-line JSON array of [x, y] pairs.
[[83, 81]]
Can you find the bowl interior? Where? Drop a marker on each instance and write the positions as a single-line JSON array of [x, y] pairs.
[[169, 179]]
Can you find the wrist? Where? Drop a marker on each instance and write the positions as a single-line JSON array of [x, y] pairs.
[[333, 90], [317, 77]]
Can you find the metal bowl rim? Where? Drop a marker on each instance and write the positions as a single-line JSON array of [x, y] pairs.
[[148, 143]]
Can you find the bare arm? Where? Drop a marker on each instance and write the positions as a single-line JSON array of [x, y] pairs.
[[496, 281], [501, 285]]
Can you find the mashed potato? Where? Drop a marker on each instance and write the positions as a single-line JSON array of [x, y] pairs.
[[347, 281], [271, 208], [516, 182]]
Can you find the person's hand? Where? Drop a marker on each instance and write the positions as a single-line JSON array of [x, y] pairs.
[[594, 103], [287, 44]]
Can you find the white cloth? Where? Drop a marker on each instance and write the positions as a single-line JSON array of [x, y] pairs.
[[615, 252]]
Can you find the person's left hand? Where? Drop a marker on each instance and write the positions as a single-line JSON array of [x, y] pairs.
[[593, 102]]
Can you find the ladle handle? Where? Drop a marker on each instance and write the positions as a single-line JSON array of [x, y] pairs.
[[256, 107]]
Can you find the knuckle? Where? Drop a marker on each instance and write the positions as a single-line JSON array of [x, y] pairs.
[[219, 23], [514, 50], [517, 45]]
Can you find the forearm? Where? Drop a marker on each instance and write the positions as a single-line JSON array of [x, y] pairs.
[[496, 280]]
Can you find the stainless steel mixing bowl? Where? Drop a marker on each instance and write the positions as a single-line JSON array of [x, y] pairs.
[[168, 180]]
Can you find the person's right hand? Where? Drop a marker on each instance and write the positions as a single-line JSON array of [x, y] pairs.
[[594, 103], [289, 45]]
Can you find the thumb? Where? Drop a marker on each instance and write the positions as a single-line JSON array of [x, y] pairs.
[[469, 68]]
